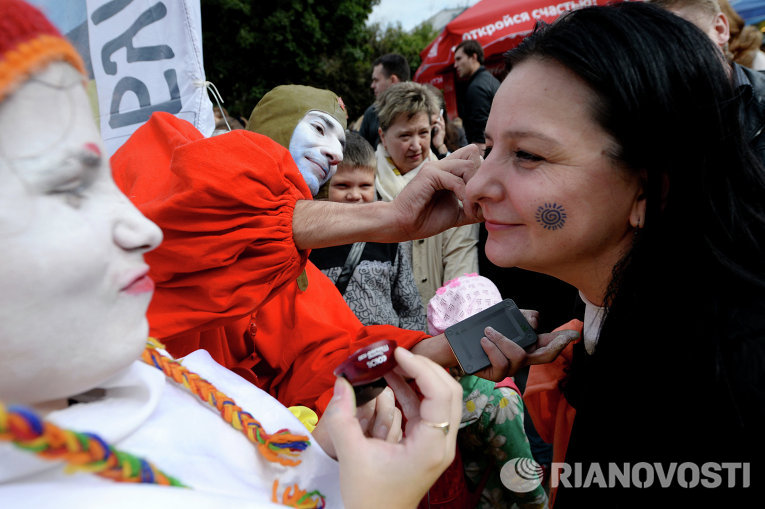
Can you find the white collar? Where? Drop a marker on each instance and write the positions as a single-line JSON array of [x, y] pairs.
[[593, 319], [131, 396]]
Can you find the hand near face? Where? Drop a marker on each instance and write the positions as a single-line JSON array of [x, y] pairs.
[[429, 203], [381, 474], [507, 358]]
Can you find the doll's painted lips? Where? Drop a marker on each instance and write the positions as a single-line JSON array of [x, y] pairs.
[[141, 284]]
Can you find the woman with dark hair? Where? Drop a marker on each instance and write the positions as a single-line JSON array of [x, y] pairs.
[[617, 165]]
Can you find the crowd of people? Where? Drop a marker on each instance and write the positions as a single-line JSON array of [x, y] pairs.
[[173, 316]]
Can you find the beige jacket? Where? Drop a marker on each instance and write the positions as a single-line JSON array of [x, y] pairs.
[[442, 257]]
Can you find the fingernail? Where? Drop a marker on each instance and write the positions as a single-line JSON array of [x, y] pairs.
[[340, 389], [490, 330]]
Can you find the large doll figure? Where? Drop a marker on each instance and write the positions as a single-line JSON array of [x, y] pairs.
[[78, 411]]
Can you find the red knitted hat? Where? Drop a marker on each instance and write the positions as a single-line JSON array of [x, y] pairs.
[[29, 42]]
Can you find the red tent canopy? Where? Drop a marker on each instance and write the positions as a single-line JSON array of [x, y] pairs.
[[498, 25]]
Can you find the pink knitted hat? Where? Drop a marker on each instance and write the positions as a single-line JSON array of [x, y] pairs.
[[458, 299]]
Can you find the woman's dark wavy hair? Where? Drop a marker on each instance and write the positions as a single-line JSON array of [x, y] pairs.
[[663, 94]]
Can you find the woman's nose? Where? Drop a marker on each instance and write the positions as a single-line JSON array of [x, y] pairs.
[[132, 231], [483, 185]]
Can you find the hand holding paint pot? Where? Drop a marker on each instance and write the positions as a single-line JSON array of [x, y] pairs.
[[365, 368], [403, 470]]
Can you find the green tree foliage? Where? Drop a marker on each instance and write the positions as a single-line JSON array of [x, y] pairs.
[[251, 46], [393, 39]]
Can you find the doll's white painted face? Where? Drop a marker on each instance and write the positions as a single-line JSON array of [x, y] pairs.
[[317, 147], [74, 286]]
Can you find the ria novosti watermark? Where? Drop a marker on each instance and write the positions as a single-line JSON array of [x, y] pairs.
[[522, 475], [644, 475]]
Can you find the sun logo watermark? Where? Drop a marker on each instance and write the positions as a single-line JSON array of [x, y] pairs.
[[521, 475]]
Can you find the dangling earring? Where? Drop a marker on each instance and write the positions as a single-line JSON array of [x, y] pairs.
[[637, 228]]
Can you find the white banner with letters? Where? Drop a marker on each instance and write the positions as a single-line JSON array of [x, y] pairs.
[[144, 55]]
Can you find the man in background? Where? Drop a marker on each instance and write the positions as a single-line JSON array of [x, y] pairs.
[[750, 84], [387, 70], [474, 97]]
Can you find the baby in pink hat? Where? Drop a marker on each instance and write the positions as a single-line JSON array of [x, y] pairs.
[[458, 299], [491, 429]]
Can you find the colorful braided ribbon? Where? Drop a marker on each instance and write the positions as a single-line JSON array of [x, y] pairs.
[[281, 447], [293, 496], [89, 452], [82, 451]]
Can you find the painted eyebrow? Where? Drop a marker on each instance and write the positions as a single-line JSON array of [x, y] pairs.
[[88, 157], [84, 156], [330, 121], [326, 118]]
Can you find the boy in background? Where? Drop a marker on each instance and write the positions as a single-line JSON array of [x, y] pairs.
[[376, 280]]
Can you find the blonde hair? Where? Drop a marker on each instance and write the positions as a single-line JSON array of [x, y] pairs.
[[408, 98]]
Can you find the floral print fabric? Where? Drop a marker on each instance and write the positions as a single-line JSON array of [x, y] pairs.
[[492, 433]]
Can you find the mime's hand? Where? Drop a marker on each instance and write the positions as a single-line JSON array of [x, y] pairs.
[[430, 203]]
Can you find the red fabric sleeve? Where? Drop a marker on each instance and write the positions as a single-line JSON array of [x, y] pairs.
[[550, 412], [303, 335], [225, 207], [225, 272]]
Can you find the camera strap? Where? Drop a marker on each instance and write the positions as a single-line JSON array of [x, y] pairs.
[[350, 264]]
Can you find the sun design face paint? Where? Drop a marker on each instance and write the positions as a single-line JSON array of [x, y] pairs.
[[551, 216]]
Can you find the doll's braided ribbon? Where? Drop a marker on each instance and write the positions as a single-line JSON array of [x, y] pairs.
[[82, 451], [281, 447], [293, 496], [87, 451]]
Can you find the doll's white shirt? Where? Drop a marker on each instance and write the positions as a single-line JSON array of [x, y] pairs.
[[146, 414]]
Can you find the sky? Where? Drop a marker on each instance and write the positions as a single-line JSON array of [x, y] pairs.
[[411, 13]]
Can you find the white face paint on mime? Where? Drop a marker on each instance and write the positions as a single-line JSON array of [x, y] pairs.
[[75, 289], [317, 147]]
